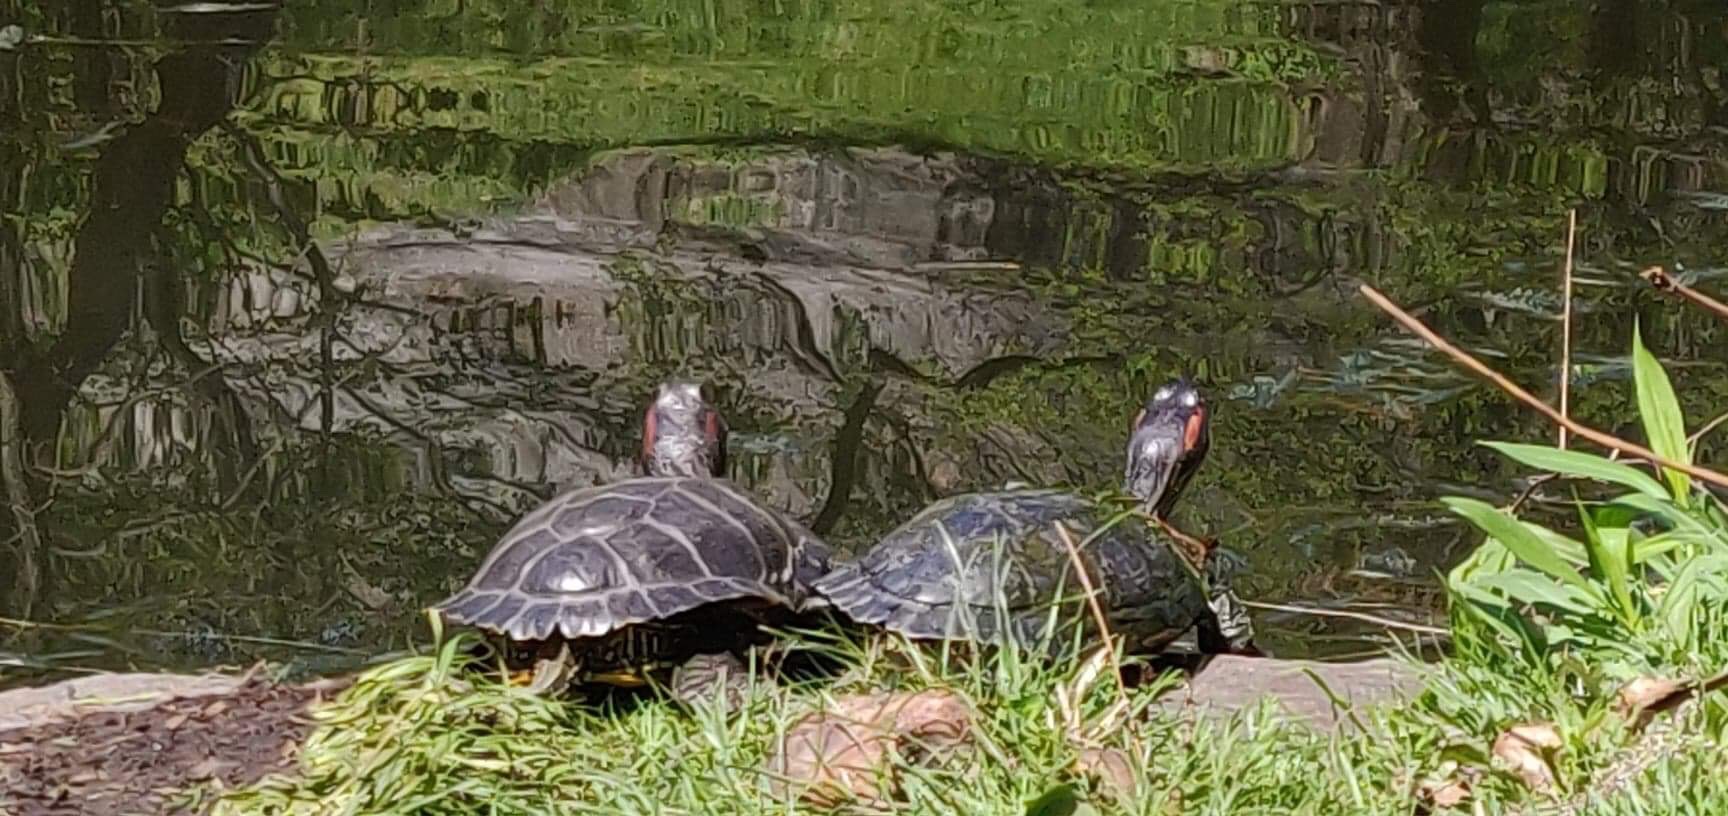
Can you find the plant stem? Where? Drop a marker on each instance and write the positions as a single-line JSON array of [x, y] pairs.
[[1659, 278], [1566, 323]]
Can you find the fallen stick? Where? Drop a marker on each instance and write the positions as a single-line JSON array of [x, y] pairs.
[[1346, 613], [1499, 380], [1659, 278]]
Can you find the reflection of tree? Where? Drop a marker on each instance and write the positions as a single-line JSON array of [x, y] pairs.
[[1447, 40], [131, 189]]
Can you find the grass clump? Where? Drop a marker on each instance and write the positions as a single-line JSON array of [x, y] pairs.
[[1550, 631]]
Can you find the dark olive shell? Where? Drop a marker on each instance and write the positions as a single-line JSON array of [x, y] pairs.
[[593, 561], [982, 565]]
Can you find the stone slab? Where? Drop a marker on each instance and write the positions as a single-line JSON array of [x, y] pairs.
[[1230, 683], [131, 691]]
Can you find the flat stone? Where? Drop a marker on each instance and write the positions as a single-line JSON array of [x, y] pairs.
[[133, 691], [1230, 683]]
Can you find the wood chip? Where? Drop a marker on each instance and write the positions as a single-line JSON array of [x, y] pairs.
[[1524, 747]]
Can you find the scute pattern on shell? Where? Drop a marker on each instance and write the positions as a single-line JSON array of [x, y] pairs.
[[939, 575], [592, 561]]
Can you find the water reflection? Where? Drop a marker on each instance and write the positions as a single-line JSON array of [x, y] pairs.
[[292, 342]]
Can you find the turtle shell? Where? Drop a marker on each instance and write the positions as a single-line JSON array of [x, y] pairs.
[[596, 560], [943, 574]]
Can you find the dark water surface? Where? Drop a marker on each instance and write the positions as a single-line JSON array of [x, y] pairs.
[[299, 307]]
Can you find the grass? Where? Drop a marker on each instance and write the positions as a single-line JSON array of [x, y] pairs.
[[1546, 631], [426, 735]]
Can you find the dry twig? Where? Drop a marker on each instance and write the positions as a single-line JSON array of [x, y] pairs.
[[1659, 278], [1092, 603], [1566, 324], [1345, 613], [1500, 381]]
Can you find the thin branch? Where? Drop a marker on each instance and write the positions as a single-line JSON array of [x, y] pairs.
[[1529, 491], [1659, 278], [1566, 324], [1345, 613], [1708, 427], [1499, 380], [1092, 603], [20, 623]]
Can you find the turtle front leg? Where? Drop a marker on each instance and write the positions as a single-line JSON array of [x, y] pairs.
[[1226, 628], [712, 679], [552, 674]]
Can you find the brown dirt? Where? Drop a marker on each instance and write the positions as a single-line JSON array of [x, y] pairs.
[[133, 762]]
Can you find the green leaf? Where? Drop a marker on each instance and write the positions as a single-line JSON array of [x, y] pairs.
[[1683, 522], [1568, 548], [1609, 553], [1660, 410], [1526, 545], [1528, 587], [1491, 558], [1581, 464]]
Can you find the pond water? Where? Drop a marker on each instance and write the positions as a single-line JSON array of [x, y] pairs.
[[300, 307]]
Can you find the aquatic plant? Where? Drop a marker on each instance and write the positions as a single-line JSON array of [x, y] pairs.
[[1632, 594]]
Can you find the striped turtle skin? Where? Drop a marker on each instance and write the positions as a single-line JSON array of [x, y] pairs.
[[647, 572], [988, 566]]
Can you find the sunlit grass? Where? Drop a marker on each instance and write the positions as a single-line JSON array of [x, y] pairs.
[[434, 734]]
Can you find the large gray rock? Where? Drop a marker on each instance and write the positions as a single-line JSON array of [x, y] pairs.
[[1303, 689]]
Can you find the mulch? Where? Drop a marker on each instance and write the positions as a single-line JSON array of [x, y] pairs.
[[134, 762]]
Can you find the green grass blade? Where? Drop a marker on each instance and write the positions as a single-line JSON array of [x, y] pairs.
[[1660, 410], [1580, 464]]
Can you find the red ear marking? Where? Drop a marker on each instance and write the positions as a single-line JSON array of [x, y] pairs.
[[711, 425], [648, 431], [1196, 426]]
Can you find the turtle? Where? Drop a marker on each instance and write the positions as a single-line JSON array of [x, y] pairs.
[[676, 568], [985, 566]]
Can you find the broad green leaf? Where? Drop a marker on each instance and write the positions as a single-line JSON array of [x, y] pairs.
[[1529, 587], [1681, 600], [1679, 604], [1529, 548], [1660, 410], [1568, 548], [1682, 521], [1494, 613], [1491, 558], [1608, 558], [1581, 464], [1647, 550]]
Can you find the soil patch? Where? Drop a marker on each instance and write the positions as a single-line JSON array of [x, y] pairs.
[[133, 761]]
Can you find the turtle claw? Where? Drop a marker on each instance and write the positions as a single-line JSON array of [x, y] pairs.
[[712, 679]]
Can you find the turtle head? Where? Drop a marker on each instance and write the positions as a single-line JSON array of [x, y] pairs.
[[1166, 445], [683, 434]]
